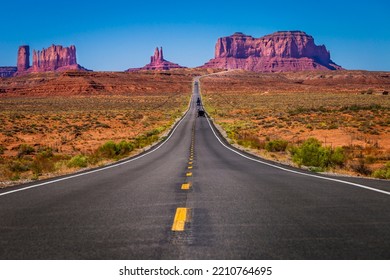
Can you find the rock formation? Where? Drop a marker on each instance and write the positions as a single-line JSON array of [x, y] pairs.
[[278, 52], [23, 62], [54, 58], [6, 72], [157, 62]]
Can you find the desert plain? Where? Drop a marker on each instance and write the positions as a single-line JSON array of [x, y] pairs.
[[55, 123]]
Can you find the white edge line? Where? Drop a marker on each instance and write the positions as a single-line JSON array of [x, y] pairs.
[[297, 172], [106, 167]]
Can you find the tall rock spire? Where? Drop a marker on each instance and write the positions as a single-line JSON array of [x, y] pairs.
[[157, 62], [23, 62], [161, 54]]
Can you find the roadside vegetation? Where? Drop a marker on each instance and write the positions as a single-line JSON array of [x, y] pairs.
[[324, 127], [45, 136], [84, 146], [32, 163]]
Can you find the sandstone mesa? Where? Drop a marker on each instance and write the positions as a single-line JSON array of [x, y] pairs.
[[54, 58], [281, 51], [278, 52]]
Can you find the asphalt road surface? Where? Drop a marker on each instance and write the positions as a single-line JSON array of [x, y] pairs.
[[195, 198]]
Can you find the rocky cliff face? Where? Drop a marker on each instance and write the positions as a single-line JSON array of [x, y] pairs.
[[278, 52], [157, 62], [53, 58]]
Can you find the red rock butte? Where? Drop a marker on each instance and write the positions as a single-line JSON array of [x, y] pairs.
[[157, 62], [278, 52], [54, 58]]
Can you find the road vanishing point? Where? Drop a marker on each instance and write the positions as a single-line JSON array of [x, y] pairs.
[[194, 196]]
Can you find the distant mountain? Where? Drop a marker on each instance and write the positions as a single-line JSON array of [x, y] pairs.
[[7, 71], [278, 52], [157, 62]]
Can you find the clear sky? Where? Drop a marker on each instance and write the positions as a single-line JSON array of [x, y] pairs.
[[116, 35]]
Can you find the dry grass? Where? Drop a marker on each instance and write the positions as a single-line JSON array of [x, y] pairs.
[[333, 107], [60, 116]]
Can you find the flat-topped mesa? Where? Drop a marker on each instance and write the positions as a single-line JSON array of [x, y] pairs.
[[157, 62], [277, 52], [54, 57]]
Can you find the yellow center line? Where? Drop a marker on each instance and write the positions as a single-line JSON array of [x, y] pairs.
[[189, 167], [190, 162], [189, 174], [180, 219], [186, 186]]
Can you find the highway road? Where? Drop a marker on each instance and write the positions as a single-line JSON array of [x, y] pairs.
[[194, 197]]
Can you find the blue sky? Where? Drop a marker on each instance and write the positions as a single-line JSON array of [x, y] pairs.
[[116, 35]]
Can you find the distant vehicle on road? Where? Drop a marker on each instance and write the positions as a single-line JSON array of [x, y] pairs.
[[198, 101], [201, 113]]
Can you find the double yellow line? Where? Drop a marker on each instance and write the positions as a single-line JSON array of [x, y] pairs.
[[182, 215]]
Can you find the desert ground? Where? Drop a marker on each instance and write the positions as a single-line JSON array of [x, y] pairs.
[[349, 110], [57, 123]]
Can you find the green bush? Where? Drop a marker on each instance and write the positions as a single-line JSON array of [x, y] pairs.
[[276, 145], [383, 173], [112, 150], [78, 161], [124, 148], [338, 157], [143, 140], [108, 149], [312, 153]]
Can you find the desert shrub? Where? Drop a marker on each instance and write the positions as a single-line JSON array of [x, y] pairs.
[[78, 161], [152, 132], [112, 150], [144, 140], [25, 149], [338, 156], [108, 150], [2, 149], [312, 153], [45, 152], [278, 145], [253, 143], [123, 147], [42, 163], [383, 173], [19, 165], [231, 134], [361, 167]]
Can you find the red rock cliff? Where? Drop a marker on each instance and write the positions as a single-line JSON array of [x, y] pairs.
[[53, 58], [280, 51]]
